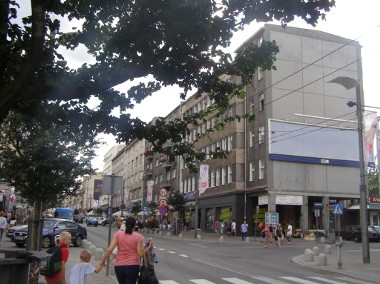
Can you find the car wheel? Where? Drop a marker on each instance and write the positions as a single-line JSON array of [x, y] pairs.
[[46, 242], [78, 241], [20, 245]]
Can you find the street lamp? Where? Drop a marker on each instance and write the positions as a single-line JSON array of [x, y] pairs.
[[350, 83]]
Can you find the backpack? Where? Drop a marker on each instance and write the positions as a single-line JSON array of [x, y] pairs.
[[52, 264]]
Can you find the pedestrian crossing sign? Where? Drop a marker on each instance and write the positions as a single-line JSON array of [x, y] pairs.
[[338, 209]]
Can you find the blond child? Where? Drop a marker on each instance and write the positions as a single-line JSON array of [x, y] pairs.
[[79, 271]]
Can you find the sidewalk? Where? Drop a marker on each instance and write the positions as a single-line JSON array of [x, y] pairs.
[[352, 263]]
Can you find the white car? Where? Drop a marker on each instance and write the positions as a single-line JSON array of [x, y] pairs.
[[11, 230]]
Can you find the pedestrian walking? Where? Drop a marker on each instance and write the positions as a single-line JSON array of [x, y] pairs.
[[233, 228], [79, 272], [289, 233], [3, 224], [130, 248], [244, 230], [222, 226], [266, 233], [217, 228], [279, 235]]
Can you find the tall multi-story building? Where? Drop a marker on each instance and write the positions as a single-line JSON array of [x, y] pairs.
[[300, 154]]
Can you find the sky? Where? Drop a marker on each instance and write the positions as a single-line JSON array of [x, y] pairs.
[[352, 19]]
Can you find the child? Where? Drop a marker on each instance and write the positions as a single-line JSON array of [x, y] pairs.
[[79, 271]]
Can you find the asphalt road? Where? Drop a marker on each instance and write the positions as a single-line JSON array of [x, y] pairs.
[[240, 263]]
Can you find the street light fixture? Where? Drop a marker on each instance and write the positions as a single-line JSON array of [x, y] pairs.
[[350, 83]]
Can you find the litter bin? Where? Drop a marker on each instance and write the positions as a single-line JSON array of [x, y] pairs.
[[14, 265]]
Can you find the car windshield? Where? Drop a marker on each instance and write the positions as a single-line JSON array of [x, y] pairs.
[[49, 223], [377, 228]]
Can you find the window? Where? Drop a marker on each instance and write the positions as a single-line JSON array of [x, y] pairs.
[[229, 174], [260, 73], [224, 144], [193, 184], [173, 174], [261, 134], [261, 169], [261, 102], [224, 175], [259, 41], [251, 171], [251, 138], [230, 143], [217, 177], [251, 107], [212, 178]]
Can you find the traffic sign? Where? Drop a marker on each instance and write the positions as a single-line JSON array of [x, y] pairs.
[[338, 209], [163, 202], [163, 210]]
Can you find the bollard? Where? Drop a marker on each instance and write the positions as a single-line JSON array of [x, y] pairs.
[[339, 244], [308, 255], [199, 238], [87, 244], [180, 236], [327, 249], [168, 234], [247, 239], [99, 253], [221, 239], [316, 251], [322, 260], [323, 240], [84, 243]]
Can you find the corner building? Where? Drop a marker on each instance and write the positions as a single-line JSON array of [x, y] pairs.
[[300, 155]]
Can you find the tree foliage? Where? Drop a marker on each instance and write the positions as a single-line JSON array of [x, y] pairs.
[[177, 200], [373, 181], [174, 42], [152, 208], [136, 207], [43, 159]]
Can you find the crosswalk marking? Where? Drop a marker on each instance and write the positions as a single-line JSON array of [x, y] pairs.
[[356, 281], [183, 255], [201, 281], [269, 280], [236, 281], [169, 251], [298, 280], [326, 280], [288, 279]]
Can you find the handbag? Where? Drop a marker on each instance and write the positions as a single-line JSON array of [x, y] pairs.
[[147, 274]]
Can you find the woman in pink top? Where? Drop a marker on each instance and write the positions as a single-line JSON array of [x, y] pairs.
[[130, 248]]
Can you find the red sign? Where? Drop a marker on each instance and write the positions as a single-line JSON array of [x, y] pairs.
[[163, 202], [374, 199], [163, 210]]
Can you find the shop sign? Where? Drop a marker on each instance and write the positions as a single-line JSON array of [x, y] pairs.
[[374, 199], [318, 205], [288, 199], [263, 200], [225, 214], [259, 217]]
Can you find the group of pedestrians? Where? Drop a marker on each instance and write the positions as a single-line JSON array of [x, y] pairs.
[[277, 234], [130, 249]]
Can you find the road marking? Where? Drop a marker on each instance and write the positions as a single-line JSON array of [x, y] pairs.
[[161, 249], [326, 280], [168, 282], [169, 251], [236, 281], [201, 281], [356, 281], [268, 280], [298, 280], [183, 255]]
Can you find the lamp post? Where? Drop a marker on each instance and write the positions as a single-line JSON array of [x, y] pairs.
[[196, 204], [350, 83]]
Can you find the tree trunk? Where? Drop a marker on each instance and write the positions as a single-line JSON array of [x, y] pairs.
[[36, 226]]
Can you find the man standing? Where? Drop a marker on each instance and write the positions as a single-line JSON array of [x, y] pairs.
[[244, 230], [289, 233], [217, 228], [233, 228]]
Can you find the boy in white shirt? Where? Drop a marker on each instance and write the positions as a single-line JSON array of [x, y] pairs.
[[79, 271]]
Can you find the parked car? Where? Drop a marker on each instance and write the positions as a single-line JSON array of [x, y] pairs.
[[105, 221], [11, 230], [92, 221], [78, 219], [53, 227], [353, 232]]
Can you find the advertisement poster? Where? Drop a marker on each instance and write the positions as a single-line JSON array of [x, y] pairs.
[[149, 190]]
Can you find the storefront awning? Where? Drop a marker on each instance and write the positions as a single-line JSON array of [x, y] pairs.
[[375, 207]]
